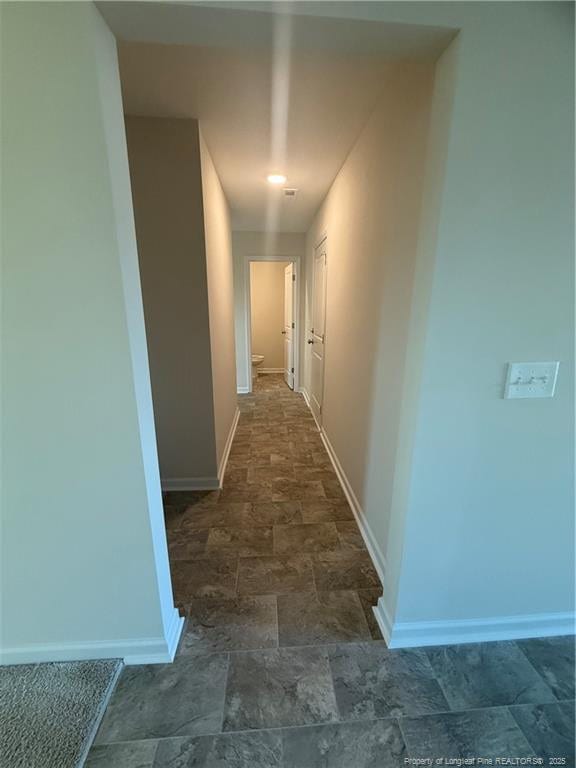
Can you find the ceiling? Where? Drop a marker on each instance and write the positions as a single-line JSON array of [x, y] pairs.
[[273, 93]]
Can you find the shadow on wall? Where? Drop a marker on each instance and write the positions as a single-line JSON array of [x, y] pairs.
[[180, 212], [371, 216]]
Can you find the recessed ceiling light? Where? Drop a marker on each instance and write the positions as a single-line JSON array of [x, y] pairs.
[[276, 178]]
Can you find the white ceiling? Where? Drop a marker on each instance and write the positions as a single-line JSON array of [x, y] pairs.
[[272, 94]]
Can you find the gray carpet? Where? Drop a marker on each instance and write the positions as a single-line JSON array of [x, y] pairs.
[[49, 712]]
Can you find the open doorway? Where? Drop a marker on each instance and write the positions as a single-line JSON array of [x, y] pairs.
[[271, 322]]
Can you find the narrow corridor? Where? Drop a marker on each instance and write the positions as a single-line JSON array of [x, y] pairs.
[[281, 526], [277, 587]]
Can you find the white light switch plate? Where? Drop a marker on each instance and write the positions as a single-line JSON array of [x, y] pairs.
[[531, 380]]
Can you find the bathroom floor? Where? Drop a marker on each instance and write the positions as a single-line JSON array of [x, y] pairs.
[[282, 664], [270, 382]]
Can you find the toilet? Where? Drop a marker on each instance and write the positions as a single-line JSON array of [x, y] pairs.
[[256, 361]]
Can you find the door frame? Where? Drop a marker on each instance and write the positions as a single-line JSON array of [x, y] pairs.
[[248, 314], [322, 239]]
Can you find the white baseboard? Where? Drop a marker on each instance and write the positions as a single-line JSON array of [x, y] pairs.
[[227, 447], [306, 396], [204, 483], [166, 653], [242, 390], [190, 484], [371, 544], [152, 650], [374, 550], [420, 633]]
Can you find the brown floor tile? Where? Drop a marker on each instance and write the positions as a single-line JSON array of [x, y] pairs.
[[185, 545], [248, 492], [215, 516], [244, 542], [276, 513], [349, 534], [283, 459], [333, 489], [310, 471], [309, 537], [233, 624], [326, 511], [280, 526], [179, 498], [302, 452], [296, 490], [235, 476], [275, 575], [270, 472], [368, 599], [326, 617], [173, 516], [269, 449], [321, 459], [214, 577], [344, 569]]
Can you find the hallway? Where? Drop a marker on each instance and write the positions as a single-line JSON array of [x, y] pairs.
[[277, 587], [281, 526]]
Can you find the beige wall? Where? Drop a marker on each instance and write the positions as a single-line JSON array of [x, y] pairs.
[[167, 192], [85, 569], [220, 300], [267, 311], [471, 472], [246, 245], [370, 216], [483, 469]]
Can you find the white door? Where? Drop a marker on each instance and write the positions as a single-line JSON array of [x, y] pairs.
[[288, 330], [317, 332]]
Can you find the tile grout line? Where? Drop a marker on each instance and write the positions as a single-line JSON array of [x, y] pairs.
[[540, 676], [389, 718], [326, 650], [224, 695], [277, 623]]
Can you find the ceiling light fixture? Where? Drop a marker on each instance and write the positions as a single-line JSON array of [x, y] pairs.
[[276, 178]]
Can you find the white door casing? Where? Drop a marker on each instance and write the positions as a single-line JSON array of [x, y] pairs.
[[317, 334], [246, 340], [288, 329]]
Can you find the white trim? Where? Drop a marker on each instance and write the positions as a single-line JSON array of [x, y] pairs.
[[190, 484], [369, 539], [306, 396], [304, 392], [295, 260], [227, 447], [322, 241], [248, 324], [204, 483], [173, 636], [151, 650], [242, 390], [270, 370], [383, 620], [420, 633]]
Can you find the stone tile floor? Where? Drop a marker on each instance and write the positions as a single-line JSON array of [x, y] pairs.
[[282, 664]]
